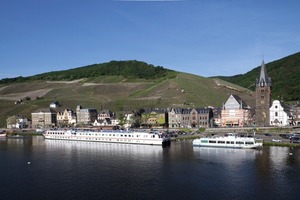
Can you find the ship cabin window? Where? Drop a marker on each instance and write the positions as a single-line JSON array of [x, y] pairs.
[[221, 142], [125, 135], [239, 142], [212, 141], [121, 135], [109, 134], [204, 141], [249, 143]]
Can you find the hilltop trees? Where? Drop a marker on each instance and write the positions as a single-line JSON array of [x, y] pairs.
[[128, 69]]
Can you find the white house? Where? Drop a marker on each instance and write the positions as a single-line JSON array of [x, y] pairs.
[[128, 120], [54, 104], [18, 121], [279, 114]]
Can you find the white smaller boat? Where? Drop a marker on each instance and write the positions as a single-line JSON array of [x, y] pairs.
[[231, 140], [2, 134], [40, 130]]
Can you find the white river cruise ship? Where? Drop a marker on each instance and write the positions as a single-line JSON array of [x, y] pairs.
[[231, 140], [115, 136]]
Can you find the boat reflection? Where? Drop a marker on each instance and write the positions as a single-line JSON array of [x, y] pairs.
[[103, 148], [226, 156]]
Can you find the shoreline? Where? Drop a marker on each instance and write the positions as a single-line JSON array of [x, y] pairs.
[[256, 132]]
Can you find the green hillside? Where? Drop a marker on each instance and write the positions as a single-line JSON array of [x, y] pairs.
[[285, 75], [118, 92]]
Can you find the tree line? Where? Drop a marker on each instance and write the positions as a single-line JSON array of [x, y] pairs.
[[128, 69]]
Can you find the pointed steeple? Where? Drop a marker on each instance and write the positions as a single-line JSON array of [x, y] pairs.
[[264, 79]]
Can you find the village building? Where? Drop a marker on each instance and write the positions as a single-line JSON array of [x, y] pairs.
[[105, 114], [217, 116], [154, 118], [175, 117], [296, 114], [190, 117], [66, 117], [280, 114], [128, 120], [235, 113], [54, 104], [18, 121], [85, 116], [44, 118]]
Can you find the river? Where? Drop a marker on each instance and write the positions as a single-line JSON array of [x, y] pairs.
[[34, 168]]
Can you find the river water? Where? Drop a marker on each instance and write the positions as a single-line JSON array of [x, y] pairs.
[[34, 168]]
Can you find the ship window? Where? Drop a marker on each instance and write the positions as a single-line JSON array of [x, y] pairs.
[[249, 143], [228, 142], [240, 142], [211, 141], [221, 142]]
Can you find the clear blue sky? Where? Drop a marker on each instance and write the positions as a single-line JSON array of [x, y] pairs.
[[202, 37]]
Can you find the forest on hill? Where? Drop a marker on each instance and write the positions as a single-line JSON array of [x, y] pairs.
[[128, 69], [285, 75]]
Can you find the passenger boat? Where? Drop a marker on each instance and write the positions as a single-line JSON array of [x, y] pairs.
[[2, 135], [114, 136], [231, 140]]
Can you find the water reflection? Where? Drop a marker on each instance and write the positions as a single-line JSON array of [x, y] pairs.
[[92, 170], [227, 155], [105, 149]]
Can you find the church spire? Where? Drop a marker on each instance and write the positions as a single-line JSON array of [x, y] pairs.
[[264, 79]]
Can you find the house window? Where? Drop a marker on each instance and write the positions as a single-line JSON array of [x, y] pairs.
[[276, 114]]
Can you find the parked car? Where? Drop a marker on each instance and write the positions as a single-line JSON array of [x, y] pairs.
[[268, 134], [275, 140], [295, 140], [285, 136]]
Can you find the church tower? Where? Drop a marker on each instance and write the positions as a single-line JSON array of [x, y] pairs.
[[263, 95]]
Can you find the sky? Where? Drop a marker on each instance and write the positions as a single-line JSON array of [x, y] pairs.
[[201, 37]]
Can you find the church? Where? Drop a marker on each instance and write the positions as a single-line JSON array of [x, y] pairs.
[[263, 98]]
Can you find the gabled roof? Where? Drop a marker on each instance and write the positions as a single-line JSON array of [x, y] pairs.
[[285, 107], [175, 110], [264, 79], [203, 110], [241, 102]]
